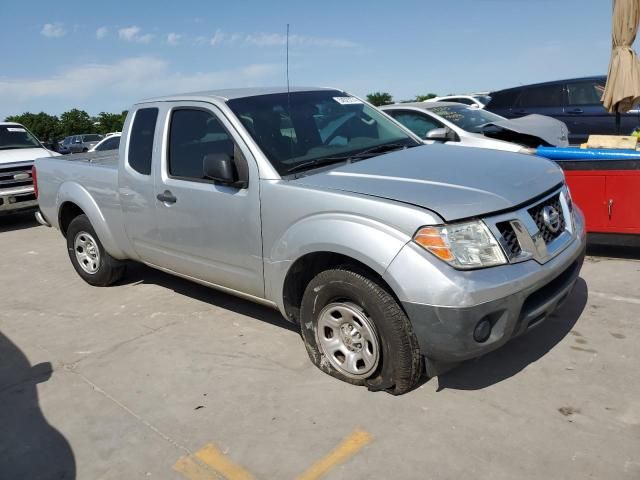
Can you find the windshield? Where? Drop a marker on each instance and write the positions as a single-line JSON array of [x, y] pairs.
[[321, 124], [467, 118], [16, 136]]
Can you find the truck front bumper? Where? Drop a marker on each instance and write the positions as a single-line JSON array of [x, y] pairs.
[[19, 199], [447, 307]]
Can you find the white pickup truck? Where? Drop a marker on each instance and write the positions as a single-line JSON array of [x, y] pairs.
[[18, 149], [392, 256]]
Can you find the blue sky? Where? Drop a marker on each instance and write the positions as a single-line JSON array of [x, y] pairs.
[[59, 55]]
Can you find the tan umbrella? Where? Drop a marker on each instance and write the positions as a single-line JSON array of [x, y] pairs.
[[623, 82]]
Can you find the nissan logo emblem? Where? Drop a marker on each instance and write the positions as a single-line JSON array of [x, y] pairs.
[[551, 218]]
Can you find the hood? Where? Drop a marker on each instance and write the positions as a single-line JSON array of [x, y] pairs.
[[531, 131], [23, 154], [455, 183]]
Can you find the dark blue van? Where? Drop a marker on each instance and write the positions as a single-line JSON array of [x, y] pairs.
[[576, 102]]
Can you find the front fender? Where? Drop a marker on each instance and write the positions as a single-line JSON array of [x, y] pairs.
[[76, 193], [366, 240]]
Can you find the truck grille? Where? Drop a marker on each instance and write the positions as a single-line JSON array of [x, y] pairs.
[[509, 239], [537, 213], [15, 176]]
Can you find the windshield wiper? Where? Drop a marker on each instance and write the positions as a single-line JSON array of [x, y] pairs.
[[369, 152], [386, 147], [318, 162]]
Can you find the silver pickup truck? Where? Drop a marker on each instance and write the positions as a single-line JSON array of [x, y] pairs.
[[395, 258]]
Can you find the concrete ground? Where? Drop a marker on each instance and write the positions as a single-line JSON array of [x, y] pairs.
[[161, 378]]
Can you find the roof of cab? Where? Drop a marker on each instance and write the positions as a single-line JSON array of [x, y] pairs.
[[232, 93]]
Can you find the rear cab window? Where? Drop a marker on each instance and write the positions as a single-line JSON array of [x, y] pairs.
[[141, 140]]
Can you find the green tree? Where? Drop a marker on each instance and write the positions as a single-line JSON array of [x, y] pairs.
[[380, 98], [110, 122], [422, 98], [43, 126], [75, 122]]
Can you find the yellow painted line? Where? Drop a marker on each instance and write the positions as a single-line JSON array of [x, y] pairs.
[[192, 470], [218, 461], [345, 450]]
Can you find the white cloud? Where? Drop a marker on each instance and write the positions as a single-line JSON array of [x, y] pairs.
[[218, 38], [173, 38], [128, 80], [101, 32], [276, 40], [53, 30], [134, 34]]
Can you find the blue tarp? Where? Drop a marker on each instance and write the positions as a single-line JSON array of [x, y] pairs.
[[585, 154]]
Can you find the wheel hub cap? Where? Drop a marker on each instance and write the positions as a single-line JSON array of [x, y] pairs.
[[348, 339], [87, 252]]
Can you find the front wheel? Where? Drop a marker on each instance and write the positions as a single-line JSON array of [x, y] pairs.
[[355, 330], [88, 256]]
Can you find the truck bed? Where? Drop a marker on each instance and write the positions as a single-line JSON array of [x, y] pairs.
[[96, 173]]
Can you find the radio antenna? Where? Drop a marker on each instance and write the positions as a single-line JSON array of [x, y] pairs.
[[288, 59], [289, 96]]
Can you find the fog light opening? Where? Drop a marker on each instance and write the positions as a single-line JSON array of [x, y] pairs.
[[482, 332]]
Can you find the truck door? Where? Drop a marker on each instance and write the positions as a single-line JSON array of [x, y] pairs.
[[208, 231], [136, 183]]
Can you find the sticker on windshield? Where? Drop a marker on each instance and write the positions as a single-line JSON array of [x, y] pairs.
[[15, 129], [347, 100]]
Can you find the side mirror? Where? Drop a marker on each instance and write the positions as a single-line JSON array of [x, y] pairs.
[[438, 134], [220, 168], [442, 135]]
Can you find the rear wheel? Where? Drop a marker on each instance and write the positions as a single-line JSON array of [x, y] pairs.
[[88, 256], [355, 330]]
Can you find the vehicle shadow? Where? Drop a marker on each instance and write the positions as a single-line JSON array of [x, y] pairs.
[[613, 251], [513, 357], [30, 448], [139, 273], [17, 221]]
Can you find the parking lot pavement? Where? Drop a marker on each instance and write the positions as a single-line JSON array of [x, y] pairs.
[[161, 378]]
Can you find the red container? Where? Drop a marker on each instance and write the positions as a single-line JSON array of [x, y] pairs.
[[608, 192]]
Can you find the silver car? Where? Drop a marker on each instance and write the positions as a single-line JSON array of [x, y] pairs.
[[469, 126], [79, 143], [391, 256]]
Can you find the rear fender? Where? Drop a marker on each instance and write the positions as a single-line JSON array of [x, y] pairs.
[[75, 193]]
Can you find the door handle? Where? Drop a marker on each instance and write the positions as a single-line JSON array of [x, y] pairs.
[[610, 207], [575, 111], [166, 197]]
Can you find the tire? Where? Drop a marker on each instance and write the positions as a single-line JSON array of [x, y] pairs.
[[88, 256], [346, 303]]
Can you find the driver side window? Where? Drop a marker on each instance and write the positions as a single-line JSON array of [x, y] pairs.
[[194, 134], [418, 123]]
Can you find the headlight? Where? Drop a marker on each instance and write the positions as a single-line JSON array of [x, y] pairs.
[[463, 245], [567, 196]]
